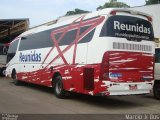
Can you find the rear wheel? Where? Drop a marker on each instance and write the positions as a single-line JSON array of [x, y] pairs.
[[58, 87], [2, 71], [14, 77], [157, 90]]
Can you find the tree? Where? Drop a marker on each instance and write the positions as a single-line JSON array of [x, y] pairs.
[[149, 2], [113, 4], [76, 11]]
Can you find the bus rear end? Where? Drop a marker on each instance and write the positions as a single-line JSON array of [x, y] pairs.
[[128, 64]]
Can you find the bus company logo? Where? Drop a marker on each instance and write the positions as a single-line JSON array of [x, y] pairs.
[[32, 57], [132, 28]]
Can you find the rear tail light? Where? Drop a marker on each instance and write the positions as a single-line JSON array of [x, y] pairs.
[[131, 12], [104, 70], [149, 18], [113, 12]]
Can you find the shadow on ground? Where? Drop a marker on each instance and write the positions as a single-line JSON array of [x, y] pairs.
[[115, 102]]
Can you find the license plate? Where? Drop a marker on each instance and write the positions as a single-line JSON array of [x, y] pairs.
[[133, 87]]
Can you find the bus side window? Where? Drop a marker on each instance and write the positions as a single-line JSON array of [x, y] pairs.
[[36, 41]]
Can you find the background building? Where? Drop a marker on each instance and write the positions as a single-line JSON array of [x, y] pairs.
[[9, 29]]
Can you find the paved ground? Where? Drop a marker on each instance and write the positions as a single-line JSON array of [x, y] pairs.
[[32, 99]]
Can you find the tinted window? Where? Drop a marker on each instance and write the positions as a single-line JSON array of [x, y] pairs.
[[128, 27], [68, 38], [83, 29], [58, 35], [43, 39], [88, 37], [13, 47], [35, 41], [12, 50], [157, 56]]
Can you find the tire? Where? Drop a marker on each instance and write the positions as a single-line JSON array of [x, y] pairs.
[[156, 90], [14, 77], [2, 71], [58, 88]]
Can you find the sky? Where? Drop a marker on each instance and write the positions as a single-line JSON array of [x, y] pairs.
[[41, 11]]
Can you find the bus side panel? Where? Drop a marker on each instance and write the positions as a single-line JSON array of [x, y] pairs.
[[72, 78], [83, 79], [33, 76], [88, 77]]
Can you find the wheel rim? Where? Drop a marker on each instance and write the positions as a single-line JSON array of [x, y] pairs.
[[4, 72], [14, 76], [58, 87]]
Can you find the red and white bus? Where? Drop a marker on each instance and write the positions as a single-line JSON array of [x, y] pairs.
[[107, 52]]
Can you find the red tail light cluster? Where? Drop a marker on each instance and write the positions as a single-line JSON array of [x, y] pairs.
[[149, 18], [104, 70], [113, 12]]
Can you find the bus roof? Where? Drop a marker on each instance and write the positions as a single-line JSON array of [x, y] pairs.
[[68, 19]]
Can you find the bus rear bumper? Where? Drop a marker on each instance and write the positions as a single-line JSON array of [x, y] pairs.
[[130, 88]]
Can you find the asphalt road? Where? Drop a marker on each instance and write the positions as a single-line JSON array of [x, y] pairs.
[[33, 99]]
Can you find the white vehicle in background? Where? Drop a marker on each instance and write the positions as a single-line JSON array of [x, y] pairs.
[[3, 56], [156, 88]]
